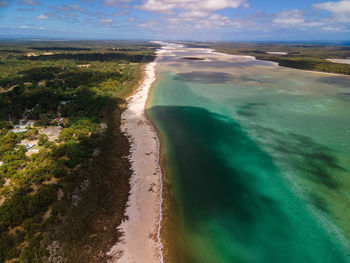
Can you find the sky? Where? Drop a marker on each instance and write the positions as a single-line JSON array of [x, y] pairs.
[[205, 20]]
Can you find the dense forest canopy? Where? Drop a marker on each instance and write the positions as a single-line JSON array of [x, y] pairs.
[[52, 100]]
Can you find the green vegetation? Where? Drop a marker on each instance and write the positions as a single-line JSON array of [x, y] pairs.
[[49, 183], [300, 56]]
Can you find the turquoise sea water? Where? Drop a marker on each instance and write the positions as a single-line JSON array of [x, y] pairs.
[[258, 159]]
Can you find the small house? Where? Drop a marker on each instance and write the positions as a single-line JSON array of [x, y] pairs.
[[19, 130], [29, 145], [24, 124]]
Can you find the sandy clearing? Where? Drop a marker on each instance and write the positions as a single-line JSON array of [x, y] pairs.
[[52, 132]]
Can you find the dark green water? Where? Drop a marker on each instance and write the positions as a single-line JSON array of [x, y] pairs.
[[252, 177]]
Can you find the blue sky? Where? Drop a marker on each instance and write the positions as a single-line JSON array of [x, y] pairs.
[[177, 19]]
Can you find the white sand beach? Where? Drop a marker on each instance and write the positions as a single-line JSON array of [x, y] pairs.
[[141, 241]]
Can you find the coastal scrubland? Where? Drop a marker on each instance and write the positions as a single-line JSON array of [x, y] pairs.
[[64, 172]]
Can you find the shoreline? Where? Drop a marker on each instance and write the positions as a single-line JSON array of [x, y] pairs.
[[164, 223], [141, 241], [168, 209]]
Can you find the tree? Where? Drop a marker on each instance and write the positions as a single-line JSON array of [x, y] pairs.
[[32, 134], [42, 139]]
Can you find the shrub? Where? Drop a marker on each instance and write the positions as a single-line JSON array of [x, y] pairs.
[[42, 139], [31, 134]]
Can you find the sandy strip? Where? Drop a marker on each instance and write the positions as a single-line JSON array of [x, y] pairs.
[[276, 64], [339, 60], [141, 241], [277, 53]]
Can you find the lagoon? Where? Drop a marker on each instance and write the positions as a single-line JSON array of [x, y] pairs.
[[257, 159]]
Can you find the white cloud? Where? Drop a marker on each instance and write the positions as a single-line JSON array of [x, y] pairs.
[[213, 24], [189, 16], [69, 8], [194, 14], [334, 28], [29, 2], [342, 18], [158, 6], [116, 3], [296, 20], [191, 6], [341, 7], [122, 12], [340, 11], [222, 4], [150, 24], [106, 20], [42, 17], [289, 18], [24, 27], [313, 24]]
